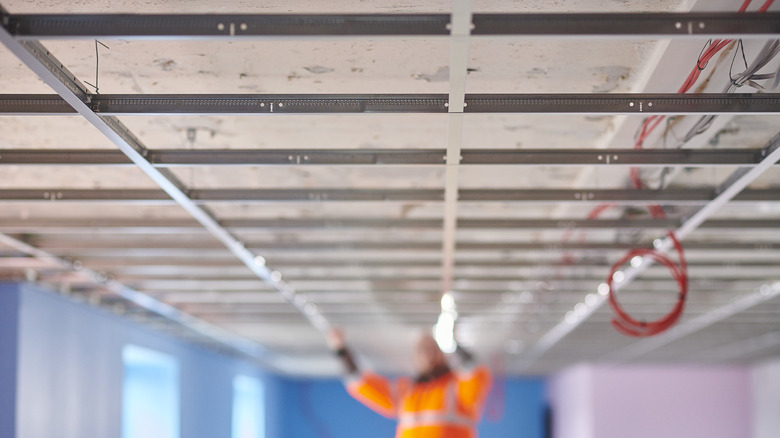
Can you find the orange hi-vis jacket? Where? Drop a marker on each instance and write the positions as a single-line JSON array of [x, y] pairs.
[[449, 406]]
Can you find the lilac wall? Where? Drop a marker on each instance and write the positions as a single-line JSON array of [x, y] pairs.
[[652, 402]]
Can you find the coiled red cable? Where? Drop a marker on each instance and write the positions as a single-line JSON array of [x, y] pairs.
[[625, 323]]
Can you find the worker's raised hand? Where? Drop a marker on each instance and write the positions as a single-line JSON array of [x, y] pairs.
[[336, 339]]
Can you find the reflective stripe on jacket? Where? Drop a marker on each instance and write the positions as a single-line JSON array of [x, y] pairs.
[[449, 406]]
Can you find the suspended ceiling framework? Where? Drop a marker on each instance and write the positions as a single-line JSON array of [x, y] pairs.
[[247, 181]]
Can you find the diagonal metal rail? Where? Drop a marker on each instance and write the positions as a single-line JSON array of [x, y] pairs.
[[762, 294], [64, 83], [735, 184], [199, 326]]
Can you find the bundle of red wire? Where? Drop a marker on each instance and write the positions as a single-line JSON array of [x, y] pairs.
[[630, 326], [623, 322]]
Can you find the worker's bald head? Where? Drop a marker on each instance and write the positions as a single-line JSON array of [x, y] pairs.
[[427, 354]]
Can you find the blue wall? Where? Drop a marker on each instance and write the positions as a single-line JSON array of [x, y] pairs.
[[70, 381], [323, 409], [9, 312], [70, 373]]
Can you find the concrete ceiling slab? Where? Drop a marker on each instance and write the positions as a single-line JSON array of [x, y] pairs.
[[381, 284]]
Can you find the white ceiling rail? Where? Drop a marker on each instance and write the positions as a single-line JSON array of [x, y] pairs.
[[580, 313], [151, 304], [460, 26], [760, 295], [64, 83]]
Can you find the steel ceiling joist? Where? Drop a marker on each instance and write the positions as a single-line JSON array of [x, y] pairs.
[[728, 191], [196, 325], [621, 196], [125, 246], [613, 157], [62, 81], [760, 295], [667, 196], [172, 26], [216, 104], [360, 157], [391, 279], [666, 25], [214, 26], [361, 263], [156, 226]]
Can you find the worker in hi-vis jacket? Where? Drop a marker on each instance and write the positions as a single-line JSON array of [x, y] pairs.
[[439, 402]]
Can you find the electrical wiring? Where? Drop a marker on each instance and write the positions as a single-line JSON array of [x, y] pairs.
[[708, 52], [622, 321], [765, 6], [625, 323], [748, 77]]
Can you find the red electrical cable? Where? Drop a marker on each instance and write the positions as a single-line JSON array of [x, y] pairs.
[[625, 323]]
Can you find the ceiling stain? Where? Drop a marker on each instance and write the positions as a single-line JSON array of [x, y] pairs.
[[165, 64], [612, 76], [318, 69], [441, 75]]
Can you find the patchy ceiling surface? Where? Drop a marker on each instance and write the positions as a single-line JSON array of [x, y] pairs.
[[352, 210]]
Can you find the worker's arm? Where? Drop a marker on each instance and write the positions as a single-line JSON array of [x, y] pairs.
[[474, 382], [372, 390]]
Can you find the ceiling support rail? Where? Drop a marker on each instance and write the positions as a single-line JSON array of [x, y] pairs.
[[54, 74], [189, 322], [130, 226], [761, 294], [541, 196], [459, 57], [127, 246], [728, 191], [223, 26], [391, 157], [550, 103]]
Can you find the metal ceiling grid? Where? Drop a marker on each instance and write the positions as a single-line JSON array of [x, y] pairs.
[[392, 276]]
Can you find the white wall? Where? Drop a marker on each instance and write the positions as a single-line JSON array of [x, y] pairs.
[[766, 399]]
